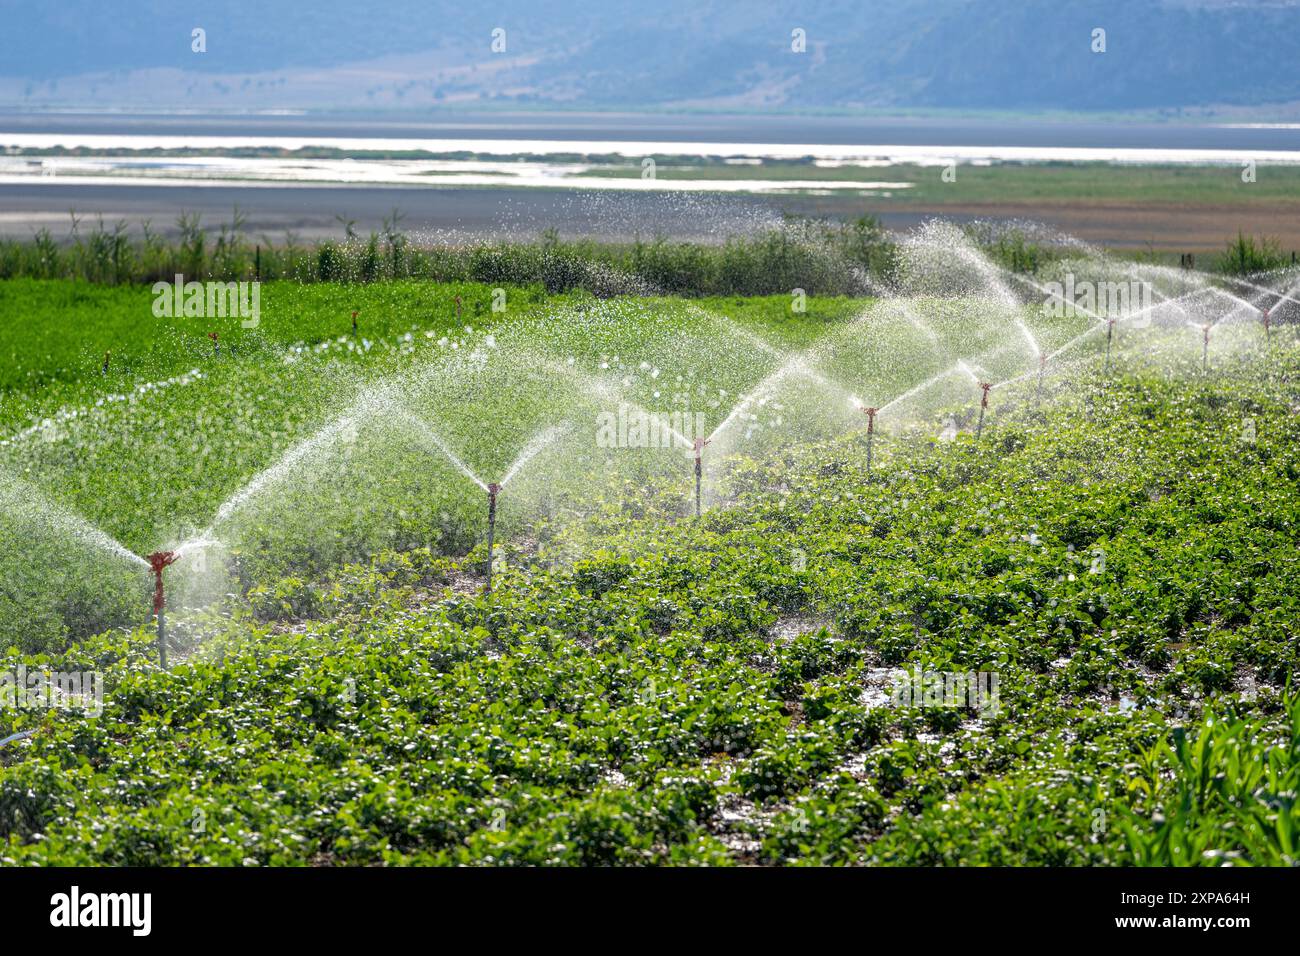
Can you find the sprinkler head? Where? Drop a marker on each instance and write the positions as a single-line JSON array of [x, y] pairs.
[[698, 446], [157, 562], [871, 418], [161, 559], [493, 488], [984, 402], [354, 320], [1042, 360]]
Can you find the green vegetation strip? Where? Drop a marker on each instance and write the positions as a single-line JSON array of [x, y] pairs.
[[706, 692]]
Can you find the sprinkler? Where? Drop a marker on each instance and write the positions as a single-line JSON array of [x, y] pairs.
[[157, 562], [457, 308], [984, 403], [1205, 349], [492, 490], [108, 355], [1110, 332], [216, 343], [1038, 391], [354, 322], [1264, 315], [698, 448], [871, 434]]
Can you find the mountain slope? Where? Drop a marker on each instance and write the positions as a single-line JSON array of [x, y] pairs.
[[971, 54]]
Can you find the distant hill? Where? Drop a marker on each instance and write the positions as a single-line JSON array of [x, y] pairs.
[[733, 54]]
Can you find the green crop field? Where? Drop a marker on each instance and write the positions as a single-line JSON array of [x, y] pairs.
[[1108, 549]]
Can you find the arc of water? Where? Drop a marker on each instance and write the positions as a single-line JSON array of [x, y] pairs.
[[274, 473], [963, 367], [1165, 300], [1059, 298], [919, 323], [988, 270], [1090, 331], [533, 448], [749, 336], [1286, 296], [1241, 303], [426, 432], [66, 521], [915, 389], [607, 392], [796, 365]]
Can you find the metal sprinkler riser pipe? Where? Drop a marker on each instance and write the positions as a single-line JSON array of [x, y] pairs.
[[698, 448], [984, 403], [871, 433], [157, 562], [493, 489], [1110, 332]]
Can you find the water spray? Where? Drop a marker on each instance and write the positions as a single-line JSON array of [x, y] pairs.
[[984, 403], [871, 434], [492, 490], [698, 448], [157, 562], [1110, 333]]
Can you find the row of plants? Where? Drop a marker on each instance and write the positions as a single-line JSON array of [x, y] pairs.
[[149, 449], [820, 257], [707, 691]]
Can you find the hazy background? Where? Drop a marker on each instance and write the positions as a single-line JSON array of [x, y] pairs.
[[1236, 58]]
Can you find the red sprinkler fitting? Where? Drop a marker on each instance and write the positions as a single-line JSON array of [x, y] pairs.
[[1264, 315], [157, 561], [984, 402], [216, 342]]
